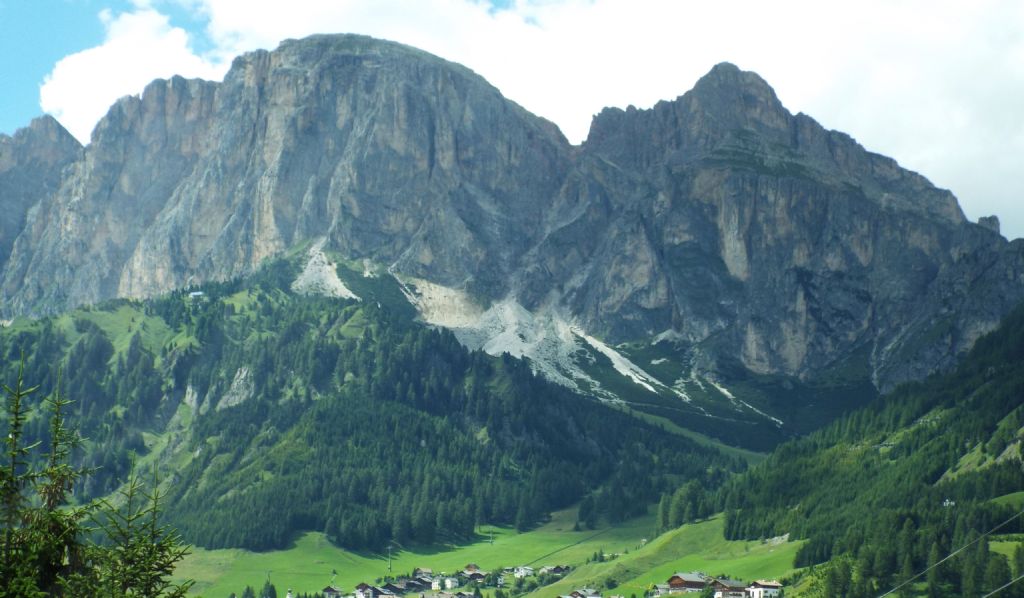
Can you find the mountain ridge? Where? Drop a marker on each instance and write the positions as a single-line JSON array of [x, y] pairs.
[[742, 231]]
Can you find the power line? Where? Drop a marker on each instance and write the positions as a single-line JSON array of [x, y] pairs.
[[1004, 586], [953, 554]]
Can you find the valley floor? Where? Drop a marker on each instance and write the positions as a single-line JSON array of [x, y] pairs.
[[632, 563]]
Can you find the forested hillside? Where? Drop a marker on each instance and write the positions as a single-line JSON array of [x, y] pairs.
[[890, 489], [271, 413]]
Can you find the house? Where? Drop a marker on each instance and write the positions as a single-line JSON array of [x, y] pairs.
[[686, 582], [412, 585], [392, 588], [365, 590], [556, 570], [422, 572], [522, 572], [475, 576], [729, 588], [444, 583], [331, 592], [585, 593], [764, 589]]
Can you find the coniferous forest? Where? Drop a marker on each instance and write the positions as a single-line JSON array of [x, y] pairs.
[[268, 414], [271, 413], [889, 490]]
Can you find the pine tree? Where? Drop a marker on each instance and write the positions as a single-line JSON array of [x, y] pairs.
[[997, 573], [44, 548], [934, 572], [268, 591], [143, 551]]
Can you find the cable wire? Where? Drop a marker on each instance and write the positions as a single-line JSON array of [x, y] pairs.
[[1004, 586], [953, 554]]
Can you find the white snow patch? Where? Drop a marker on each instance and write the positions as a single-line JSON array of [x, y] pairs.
[[622, 365], [667, 335], [368, 269], [731, 397], [658, 361], [5, 323], [320, 276]]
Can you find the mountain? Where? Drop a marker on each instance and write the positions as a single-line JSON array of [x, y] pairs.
[[921, 472], [712, 259], [31, 165], [270, 410]]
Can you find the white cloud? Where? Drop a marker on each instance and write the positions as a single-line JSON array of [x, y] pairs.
[[935, 84], [139, 46]]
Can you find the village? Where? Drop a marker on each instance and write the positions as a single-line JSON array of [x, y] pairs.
[[423, 583]]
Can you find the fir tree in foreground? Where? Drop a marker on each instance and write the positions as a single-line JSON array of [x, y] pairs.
[[50, 547]]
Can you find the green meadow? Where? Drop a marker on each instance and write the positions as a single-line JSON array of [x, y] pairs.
[[308, 565], [693, 547]]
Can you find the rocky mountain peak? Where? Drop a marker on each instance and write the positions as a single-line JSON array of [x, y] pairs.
[[737, 99], [717, 219], [31, 164]]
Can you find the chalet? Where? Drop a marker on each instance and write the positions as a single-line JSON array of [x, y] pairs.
[[422, 572], [412, 585], [556, 570], [686, 582], [365, 590], [585, 593], [523, 572], [729, 588], [393, 588], [475, 576], [764, 589], [331, 592]]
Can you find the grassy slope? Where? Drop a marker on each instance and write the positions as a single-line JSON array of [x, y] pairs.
[[696, 547], [307, 566]]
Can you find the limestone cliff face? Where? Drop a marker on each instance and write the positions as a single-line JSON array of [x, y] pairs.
[[390, 153], [754, 234], [767, 238], [31, 164]]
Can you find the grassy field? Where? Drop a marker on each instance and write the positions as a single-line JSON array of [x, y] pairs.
[[307, 566], [1015, 500], [696, 547]]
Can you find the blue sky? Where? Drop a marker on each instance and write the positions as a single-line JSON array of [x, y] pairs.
[[936, 84], [34, 35]]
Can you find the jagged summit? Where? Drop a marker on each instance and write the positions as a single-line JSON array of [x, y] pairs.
[[718, 218]]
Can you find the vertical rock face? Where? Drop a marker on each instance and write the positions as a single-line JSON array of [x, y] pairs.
[[390, 153], [755, 235], [31, 163], [763, 237]]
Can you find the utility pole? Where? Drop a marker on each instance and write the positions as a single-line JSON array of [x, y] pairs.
[[389, 558]]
